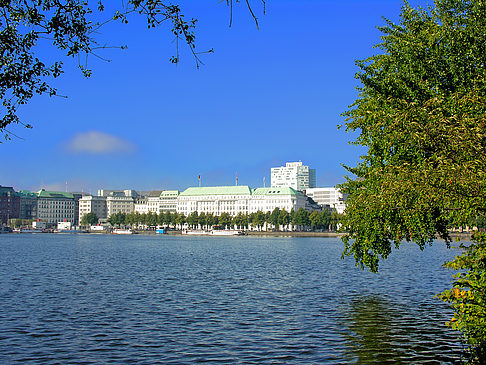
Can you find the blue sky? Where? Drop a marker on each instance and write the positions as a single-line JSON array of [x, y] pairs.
[[264, 97]]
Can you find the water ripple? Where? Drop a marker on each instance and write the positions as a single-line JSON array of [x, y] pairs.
[[89, 299]]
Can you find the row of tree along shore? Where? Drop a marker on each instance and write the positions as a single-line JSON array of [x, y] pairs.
[[277, 220]]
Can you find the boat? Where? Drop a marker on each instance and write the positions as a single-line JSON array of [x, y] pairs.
[[122, 231], [194, 232], [226, 232]]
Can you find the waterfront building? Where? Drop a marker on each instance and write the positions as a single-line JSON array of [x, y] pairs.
[[241, 199], [214, 200], [122, 193], [267, 199], [9, 204], [294, 175], [119, 204], [153, 201], [28, 204], [168, 201], [93, 204], [141, 206], [54, 207], [331, 197]]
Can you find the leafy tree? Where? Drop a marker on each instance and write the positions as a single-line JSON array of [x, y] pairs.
[[225, 219], [257, 219], [284, 218], [179, 219], [301, 218], [151, 219], [193, 219], [161, 219], [117, 219], [274, 218], [241, 220], [421, 115], [70, 26], [315, 219], [89, 219]]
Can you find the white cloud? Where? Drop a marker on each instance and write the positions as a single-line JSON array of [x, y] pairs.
[[99, 143]]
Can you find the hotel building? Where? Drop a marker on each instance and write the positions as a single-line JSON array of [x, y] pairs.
[[241, 199]]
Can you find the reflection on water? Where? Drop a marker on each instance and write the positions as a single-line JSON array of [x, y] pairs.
[[105, 299], [379, 332]]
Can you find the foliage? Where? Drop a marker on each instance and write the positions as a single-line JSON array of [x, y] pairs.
[[301, 218], [468, 297], [421, 114], [89, 219], [71, 26], [117, 219]]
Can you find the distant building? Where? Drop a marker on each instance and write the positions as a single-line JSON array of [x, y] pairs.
[[9, 204], [120, 193], [294, 175], [28, 204], [141, 206], [93, 204], [214, 200], [267, 199], [54, 207], [168, 201], [331, 197], [241, 199], [157, 201]]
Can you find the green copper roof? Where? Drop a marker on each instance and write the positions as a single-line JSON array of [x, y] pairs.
[[276, 191], [27, 194], [54, 194], [217, 190]]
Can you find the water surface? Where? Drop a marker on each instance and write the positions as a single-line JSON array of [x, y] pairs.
[[147, 299]]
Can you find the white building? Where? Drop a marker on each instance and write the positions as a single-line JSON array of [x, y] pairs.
[[294, 175], [331, 197], [214, 200], [267, 199], [54, 207], [157, 201], [141, 206], [240, 199], [168, 201], [93, 204]]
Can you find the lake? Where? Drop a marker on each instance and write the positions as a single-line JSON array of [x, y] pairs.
[[172, 299]]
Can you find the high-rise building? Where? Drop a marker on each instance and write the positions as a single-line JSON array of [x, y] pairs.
[[294, 175]]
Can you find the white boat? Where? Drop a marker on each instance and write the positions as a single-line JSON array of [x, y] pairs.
[[226, 232], [122, 231], [194, 232]]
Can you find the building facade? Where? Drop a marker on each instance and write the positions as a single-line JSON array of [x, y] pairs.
[[28, 205], [294, 175], [267, 199], [54, 207], [214, 200], [168, 201], [241, 199], [9, 204], [331, 197], [93, 204]]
